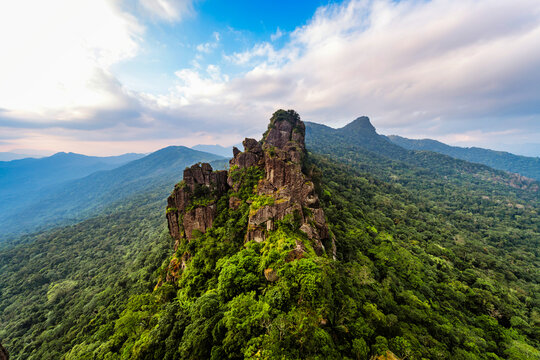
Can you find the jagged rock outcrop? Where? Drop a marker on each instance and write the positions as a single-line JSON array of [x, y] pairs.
[[192, 206], [285, 189], [3, 353], [251, 156], [281, 153]]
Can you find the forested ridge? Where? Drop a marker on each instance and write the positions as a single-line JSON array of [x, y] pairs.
[[524, 165], [68, 202], [436, 259]]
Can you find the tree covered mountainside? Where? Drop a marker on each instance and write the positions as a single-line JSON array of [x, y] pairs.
[[526, 166], [71, 201], [352, 249], [25, 178]]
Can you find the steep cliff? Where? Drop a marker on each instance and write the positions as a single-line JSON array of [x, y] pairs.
[[192, 206], [280, 191], [288, 190]]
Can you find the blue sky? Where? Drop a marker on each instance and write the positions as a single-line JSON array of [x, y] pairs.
[[106, 77], [224, 26]]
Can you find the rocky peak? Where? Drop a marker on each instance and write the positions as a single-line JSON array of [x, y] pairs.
[[251, 156], [362, 124], [288, 190], [283, 191], [285, 128], [191, 205]]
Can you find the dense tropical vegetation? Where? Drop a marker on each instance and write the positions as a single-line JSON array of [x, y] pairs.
[[524, 165]]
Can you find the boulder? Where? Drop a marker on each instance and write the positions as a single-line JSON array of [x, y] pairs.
[[270, 274]]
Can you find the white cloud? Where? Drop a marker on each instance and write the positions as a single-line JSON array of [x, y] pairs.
[[169, 10], [208, 47], [437, 68], [260, 52], [440, 65], [56, 55], [277, 35]]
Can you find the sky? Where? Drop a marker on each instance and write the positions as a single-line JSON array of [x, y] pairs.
[[105, 77]]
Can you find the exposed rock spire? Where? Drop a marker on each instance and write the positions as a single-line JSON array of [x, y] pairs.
[[281, 152], [191, 205], [293, 193]]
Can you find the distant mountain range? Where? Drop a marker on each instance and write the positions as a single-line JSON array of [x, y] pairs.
[[526, 166], [30, 173], [62, 188], [9, 156], [68, 187], [375, 153]]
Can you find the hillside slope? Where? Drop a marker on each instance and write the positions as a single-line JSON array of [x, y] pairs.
[[526, 166], [358, 142], [78, 199], [23, 181]]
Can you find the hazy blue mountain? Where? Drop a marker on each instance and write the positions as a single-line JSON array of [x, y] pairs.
[[526, 166], [77, 199], [31, 173], [24, 181], [215, 149], [8, 156]]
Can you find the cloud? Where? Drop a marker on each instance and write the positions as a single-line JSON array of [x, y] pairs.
[[441, 65], [277, 35], [169, 10], [208, 47], [57, 55], [443, 69], [261, 54]]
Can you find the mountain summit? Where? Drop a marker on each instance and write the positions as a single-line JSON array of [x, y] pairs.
[[265, 180], [360, 124]]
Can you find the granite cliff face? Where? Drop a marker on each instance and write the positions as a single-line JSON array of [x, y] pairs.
[[282, 191], [192, 206], [281, 153]]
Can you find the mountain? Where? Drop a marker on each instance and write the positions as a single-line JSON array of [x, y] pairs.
[[77, 199], [333, 245], [526, 166], [358, 141], [30, 173], [8, 156], [214, 149], [22, 181]]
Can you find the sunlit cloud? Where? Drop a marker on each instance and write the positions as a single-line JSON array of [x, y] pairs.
[[169, 10], [440, 69], [277, 35], [55, 62]]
